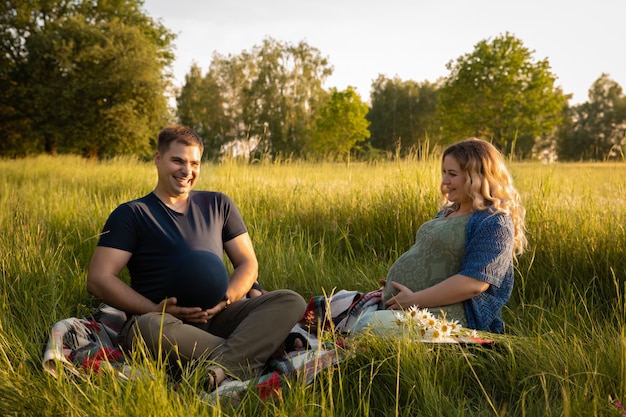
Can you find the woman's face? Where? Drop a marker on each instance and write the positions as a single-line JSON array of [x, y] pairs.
[[453, 183]]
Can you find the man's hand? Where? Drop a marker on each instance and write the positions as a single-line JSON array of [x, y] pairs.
[[187, 314], [222, 305]]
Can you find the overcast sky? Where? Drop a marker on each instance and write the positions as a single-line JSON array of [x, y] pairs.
[[411, 39]]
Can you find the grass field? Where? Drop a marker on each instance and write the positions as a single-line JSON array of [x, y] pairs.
[[320, 228]]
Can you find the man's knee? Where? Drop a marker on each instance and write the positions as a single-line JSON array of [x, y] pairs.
[[292, 302], [152, 328], [153, 323]]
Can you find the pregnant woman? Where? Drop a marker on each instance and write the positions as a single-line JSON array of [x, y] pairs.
[[462, 259]]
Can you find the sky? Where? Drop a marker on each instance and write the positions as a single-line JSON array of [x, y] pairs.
[[409, 39]]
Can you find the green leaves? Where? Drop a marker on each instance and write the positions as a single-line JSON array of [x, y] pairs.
[[499, 92], [268, 95], [598, 131], [89, 79], [402, 114], [340, 125]]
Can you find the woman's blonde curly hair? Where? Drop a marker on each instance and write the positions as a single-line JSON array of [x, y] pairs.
[[489, 184]]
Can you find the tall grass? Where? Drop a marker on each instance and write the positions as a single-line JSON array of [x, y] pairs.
[[318, 228]]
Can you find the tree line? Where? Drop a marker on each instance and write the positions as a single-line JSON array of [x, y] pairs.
[[92, 77]]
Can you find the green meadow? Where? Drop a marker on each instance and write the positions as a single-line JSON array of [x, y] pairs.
[[319, 228]]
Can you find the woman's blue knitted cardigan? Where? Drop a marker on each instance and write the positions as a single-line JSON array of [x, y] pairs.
[[488, 257]]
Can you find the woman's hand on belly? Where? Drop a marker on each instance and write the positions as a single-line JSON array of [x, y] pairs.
[[404, 299], [452, 290]]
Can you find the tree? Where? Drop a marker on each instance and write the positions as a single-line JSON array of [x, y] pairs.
[[285, 89], [201, 106], [402, 114], [498, 92], [16, 23], [270, 93], [83, 77], [598, 128], [340, 125]]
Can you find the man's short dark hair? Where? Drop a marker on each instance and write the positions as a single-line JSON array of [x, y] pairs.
[[180, 134]]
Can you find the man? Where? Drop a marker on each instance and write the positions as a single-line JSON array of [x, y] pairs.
[[150, 236]]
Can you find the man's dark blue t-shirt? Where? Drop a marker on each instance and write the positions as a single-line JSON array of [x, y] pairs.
[[157, 235]]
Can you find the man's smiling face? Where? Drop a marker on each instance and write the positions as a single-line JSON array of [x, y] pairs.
[[178, 169]]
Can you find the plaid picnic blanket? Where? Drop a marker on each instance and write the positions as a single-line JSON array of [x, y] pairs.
[[339, 311], [83, 345], [303, 366]]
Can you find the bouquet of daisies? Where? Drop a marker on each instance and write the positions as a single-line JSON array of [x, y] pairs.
[[434, 329]]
